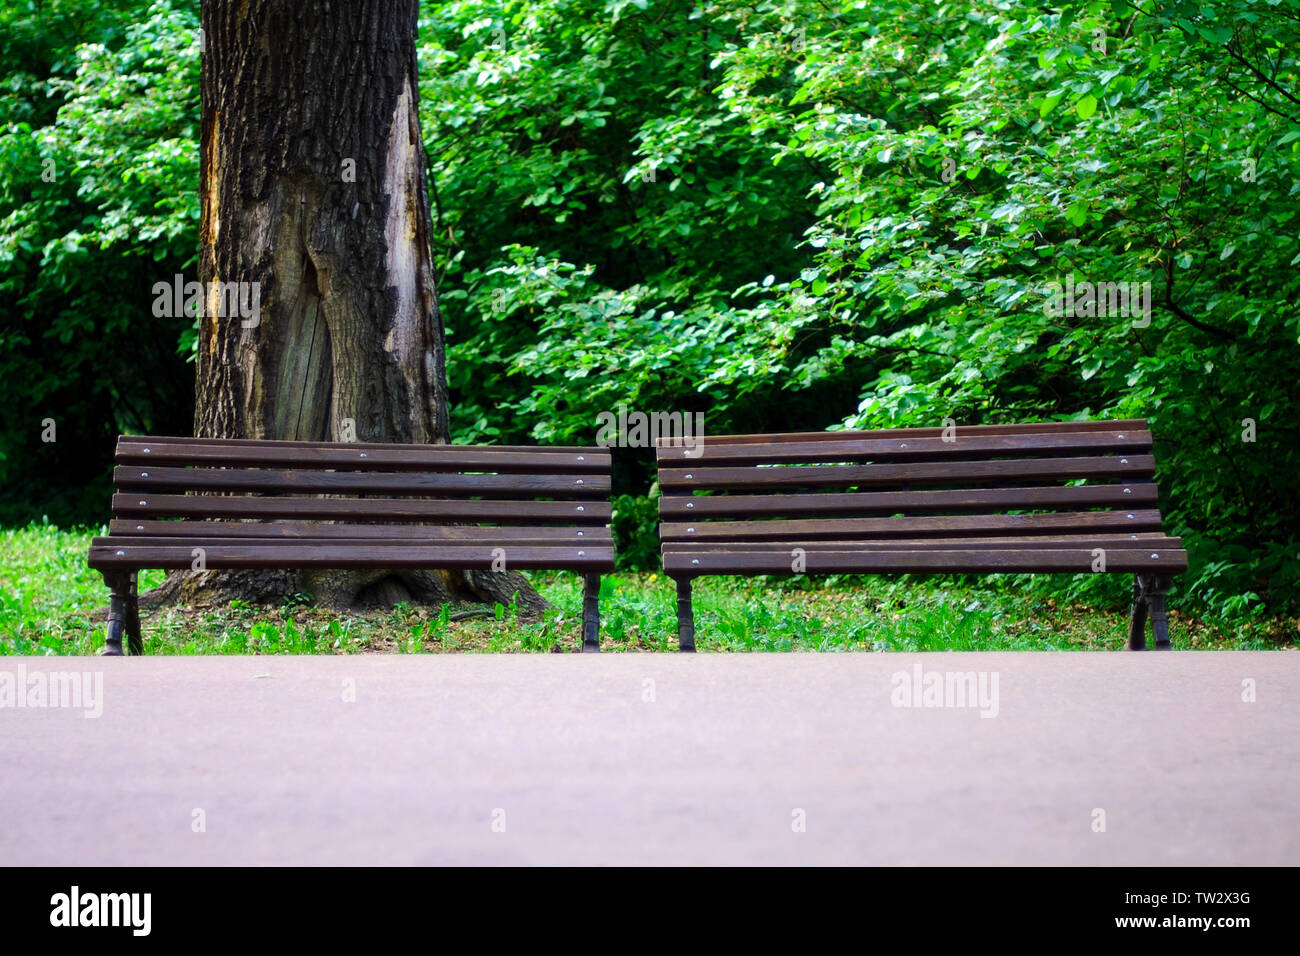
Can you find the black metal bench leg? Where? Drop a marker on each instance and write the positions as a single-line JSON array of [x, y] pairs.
[[1159, 618], [1137, 625], [685, 617], [134, 639], [591, 613], [117, 603]]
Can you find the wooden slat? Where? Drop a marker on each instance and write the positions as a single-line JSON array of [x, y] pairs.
[[293, 443], [1028, 428], [600, 538], [933, 526], [362, 509], [314, 531], [910, 448], [1148, 539], [152, 477], [146, 450], [807, 476], [881, 561], [105, 553], [893, 502]]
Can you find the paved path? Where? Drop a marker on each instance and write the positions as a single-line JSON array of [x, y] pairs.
[[641, 758]]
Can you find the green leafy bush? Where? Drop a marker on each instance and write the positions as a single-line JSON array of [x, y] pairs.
[[786, 215]]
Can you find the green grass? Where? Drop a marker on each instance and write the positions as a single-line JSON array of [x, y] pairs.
[[51, 603]]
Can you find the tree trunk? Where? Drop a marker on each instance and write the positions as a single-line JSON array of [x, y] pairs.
[[315, 191]]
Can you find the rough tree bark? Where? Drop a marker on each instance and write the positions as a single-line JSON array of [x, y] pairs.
[[314, 187]]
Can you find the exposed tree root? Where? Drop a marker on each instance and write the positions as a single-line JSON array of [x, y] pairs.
[[347, 590]]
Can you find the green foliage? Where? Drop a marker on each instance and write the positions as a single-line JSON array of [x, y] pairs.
[[98, 201], [856, 215], [636, 529], [785, 214]]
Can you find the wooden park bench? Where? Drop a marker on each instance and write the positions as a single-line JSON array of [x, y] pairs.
[[1062, 497], [297, 505]]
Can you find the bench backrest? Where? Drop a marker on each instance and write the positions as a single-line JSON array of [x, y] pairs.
[[985, 481], [239, 490]]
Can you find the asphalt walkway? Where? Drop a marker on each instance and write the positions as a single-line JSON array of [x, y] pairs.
[[1153, 759]]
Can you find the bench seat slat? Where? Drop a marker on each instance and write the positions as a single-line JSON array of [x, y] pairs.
[[152, 477], [1149, 539], [307, 530], [891, 502], [1010, 469], [938, 526], [883, 561], [143, 504], [596, 536], [107, 553], [908, 447]]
